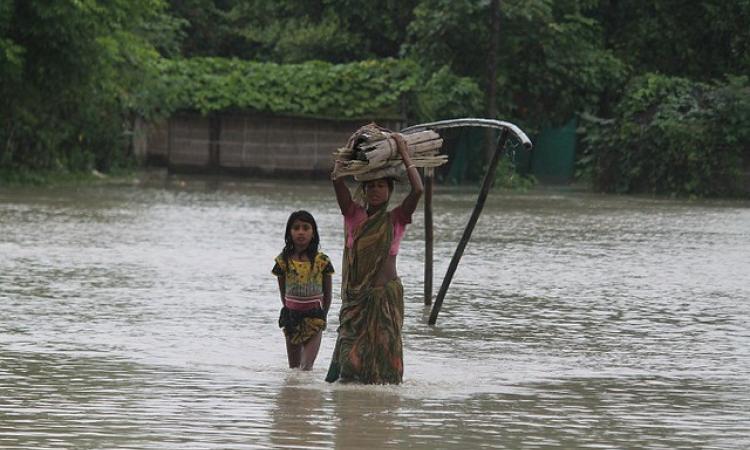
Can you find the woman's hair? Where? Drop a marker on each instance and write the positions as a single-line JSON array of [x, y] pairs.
[[389, 180], [312, 249], [361, 193]]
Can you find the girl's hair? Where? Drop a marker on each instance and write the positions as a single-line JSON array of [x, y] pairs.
[[312, 249]]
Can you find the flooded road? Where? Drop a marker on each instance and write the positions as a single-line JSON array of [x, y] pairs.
[[144, 316]]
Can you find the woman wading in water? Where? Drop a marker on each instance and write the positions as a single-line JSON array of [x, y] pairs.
[[369, 349]]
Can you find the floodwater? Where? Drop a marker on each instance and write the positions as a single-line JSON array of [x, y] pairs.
[[144, 316]]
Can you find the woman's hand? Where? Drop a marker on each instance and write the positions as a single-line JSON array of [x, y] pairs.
[[403, 148]]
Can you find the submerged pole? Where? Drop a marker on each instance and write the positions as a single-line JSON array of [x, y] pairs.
[[486, 184], [429, 173]]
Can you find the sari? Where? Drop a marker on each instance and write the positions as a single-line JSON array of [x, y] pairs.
[[369, 347]]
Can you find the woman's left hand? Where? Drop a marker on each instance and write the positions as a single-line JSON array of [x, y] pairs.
[[403, 148]]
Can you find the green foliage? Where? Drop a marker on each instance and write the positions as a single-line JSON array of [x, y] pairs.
[[294, 31], [449, 32], [701, 40], [672, 135], [508, 177], [35, 177], [552, 59], [444, 95], [69, 73], [74, 74], [362, 89], [11, 54], [204, 27]]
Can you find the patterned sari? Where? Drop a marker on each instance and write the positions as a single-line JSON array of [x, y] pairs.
[[369, 348]]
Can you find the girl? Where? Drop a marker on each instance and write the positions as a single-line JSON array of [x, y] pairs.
[[304, 276]]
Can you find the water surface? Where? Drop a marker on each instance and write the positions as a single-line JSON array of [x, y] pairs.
[[144, 316]]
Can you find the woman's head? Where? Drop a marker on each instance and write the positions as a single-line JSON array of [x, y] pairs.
[[301, 234], [378, 192]]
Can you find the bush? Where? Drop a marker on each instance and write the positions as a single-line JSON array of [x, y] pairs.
[[671, 136], [373, 88]]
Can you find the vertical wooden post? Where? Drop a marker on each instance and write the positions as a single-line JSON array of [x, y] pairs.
[[486, 184], [170, 137], [214, 141], [429, 173]]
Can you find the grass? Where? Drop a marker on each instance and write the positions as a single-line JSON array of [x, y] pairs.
[[26, 177]]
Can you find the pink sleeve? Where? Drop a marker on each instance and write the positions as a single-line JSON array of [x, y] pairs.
[[354, 216], [353, 212], [399, 217], [400, 220]]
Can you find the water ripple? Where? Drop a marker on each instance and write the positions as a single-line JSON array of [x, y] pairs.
[[145, 317]]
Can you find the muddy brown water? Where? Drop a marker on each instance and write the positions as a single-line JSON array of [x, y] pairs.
[[144, 316]]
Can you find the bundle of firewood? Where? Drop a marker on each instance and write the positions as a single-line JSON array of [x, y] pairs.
[[371, 153]]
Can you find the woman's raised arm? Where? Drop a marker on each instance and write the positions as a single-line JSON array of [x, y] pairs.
[[343, 196], [409, 205]]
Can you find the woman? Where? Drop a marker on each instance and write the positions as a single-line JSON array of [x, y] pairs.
[[369, 349]]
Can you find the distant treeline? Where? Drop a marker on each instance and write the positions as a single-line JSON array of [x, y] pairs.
[[659, 86]]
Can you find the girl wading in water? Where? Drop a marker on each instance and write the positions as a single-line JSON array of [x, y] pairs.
[[304, 275], [368, 349]]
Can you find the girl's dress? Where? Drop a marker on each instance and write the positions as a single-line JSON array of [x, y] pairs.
[[303, 315]]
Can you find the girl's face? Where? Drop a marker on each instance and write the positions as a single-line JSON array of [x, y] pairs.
[[377, 192], [302, 234]]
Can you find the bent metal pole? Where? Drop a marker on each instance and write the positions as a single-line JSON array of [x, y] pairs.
[[486, 184], [472, 122], [506, 128]]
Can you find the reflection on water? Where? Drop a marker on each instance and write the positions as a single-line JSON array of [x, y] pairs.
[[307, 414], [300, 419], [145, 317], [368, 417]]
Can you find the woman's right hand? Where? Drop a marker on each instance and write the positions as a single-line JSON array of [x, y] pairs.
[[336, 165]]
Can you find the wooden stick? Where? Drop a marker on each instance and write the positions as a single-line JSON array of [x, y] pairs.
[[357, 167], [383, 150], [428, 235], [486, 184]]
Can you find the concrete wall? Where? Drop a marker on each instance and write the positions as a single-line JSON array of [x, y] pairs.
[[249, 143]]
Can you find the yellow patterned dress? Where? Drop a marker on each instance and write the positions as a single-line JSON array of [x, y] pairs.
[[303, 315]]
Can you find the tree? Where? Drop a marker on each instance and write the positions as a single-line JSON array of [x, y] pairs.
[[551, 63], [703, 40], [672, 135], [293, 31], [69, 73]]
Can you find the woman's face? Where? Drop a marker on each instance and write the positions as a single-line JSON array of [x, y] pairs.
[[302, 234], [377, 192]]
